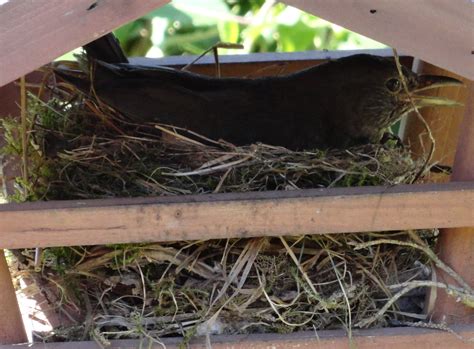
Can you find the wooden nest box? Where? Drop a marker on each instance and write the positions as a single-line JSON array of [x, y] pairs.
[[433, 32]]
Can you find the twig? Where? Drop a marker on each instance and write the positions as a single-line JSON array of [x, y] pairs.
[[214, 49], [24, 131], [346, 298], [420, 117], [457, 292], [439, 263], [303, 272]]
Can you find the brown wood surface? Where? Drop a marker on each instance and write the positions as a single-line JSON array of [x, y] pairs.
[[438, 31], [456, 246], [384, 338], [11, 324], [33, 33], [445, 123], [262, 64], [91, 222]]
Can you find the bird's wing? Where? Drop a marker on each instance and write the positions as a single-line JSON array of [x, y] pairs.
[[241, 111]]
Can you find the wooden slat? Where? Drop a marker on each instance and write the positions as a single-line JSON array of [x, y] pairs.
[[382, 338], [463, 169], [33, 33], [261, 57], [437, 31], [456, 246], [262, 64], [11, 324], [91, 222], [444, 122]]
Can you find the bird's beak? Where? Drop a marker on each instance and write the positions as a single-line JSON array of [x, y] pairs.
[[428, 82]]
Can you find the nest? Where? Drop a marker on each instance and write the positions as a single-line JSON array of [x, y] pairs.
[[79, 148]]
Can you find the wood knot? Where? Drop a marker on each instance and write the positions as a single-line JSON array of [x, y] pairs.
[[92, 6]]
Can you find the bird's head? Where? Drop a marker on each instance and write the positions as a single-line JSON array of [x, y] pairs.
[[379, 95]]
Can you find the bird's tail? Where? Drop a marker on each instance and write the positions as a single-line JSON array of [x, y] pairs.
[[107, 49], [75, 77]]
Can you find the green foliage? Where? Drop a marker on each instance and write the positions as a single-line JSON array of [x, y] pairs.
[[136, 36], [192, 26], [60, 259]]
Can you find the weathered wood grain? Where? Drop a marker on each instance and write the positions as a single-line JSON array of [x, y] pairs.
[[35, 32], [381, 338], [445, 123], [456, 246], [11, 324], [438, 31], [91, 222], [262, 64]]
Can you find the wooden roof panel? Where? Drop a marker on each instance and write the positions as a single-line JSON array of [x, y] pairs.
[[33, 33], [438, 31], [441, 32]]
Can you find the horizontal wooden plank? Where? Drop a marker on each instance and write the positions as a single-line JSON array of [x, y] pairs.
[[262, 64], [437, 31], [313, 211], [33, 33], [263, 57], [382, 338]]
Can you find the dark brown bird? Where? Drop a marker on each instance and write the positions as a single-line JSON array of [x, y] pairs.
[[341, 103]]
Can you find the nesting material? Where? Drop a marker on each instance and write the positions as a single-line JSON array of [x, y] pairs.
[[79, 148]]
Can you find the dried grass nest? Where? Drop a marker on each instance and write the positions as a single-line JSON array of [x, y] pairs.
[[78, 148]]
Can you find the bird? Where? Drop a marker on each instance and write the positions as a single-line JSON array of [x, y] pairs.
[[342, 103], [106, 48]]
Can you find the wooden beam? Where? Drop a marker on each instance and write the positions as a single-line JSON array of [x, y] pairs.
[[11, 324], [463, 169], [261, 57], [437, 31], [381, 338], [445, 123], [91, 222], [34, 33], [262, 64], [456, 246]]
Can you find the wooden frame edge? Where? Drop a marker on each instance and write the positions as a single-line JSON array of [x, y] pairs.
[[197, 217], [397, 337]]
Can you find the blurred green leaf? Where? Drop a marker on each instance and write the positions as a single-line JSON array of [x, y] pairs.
[[203, 12], [135, 37], [229, 31], [193, 26], [287, 34]]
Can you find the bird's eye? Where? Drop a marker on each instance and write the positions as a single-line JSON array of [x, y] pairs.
[[393, 85]]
